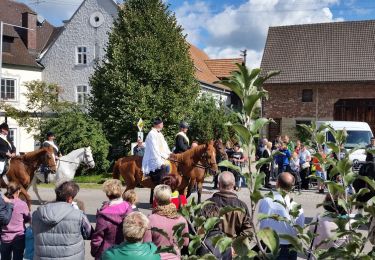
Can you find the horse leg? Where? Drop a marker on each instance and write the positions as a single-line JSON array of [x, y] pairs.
[[190, 187], [26, 196], [35, 189], [199, 191], [151, 196]]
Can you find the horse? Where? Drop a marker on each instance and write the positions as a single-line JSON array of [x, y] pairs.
[[366, 170], [67, 167], [184, 166], [22, 168]]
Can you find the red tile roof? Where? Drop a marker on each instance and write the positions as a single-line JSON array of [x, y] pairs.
[[222, 68]]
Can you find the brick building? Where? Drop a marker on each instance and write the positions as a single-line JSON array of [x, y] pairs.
[[327, 73]]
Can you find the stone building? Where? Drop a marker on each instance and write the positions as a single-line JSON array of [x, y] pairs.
[[327, 73]]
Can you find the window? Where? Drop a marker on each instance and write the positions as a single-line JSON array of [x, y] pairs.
[[8, 89], [307, 95], [81, 55], [13, 135], [7, 42], [82, 94]]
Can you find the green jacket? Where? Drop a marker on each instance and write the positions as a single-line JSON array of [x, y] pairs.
[[132, 251]]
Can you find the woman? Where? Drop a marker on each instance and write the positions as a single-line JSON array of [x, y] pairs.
[[164, 216], [177, 199], [266, 168], [295, 168], [108, 230], [13, 234]]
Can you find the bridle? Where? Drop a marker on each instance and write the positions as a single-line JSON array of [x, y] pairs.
[[86, 161]]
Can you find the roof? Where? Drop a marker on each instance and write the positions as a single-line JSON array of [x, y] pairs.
[[324, 52], [11, 13], [208, 71]]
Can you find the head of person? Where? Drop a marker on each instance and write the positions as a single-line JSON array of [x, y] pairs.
[[226, 181], [139, 141], [269, 145], [135, 226], [264, 141], [295, 155], [13, 190], [50, 136], [171, 181], [298, 143], [184, 126], [158, 123], [332, 206], [130, 196], [237, 147], [285, 181], [303, 147], [372, 140], [4, 129], [286, 139], [162, 194], [112, 189], [194, 144], [67, 191]]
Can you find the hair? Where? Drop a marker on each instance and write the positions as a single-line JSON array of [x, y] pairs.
[[12, 188], [226, 180], [332, 205], [285, 181], [135, 226], [130, 196], [269, 145], [112, 188], [163, 194], [66, 190], [171, 181]]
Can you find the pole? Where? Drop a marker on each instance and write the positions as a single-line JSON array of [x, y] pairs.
[[1, 48]]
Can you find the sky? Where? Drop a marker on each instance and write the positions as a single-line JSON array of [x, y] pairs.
[[222, 28]]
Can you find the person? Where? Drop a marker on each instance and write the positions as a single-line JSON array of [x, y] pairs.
[[177, 199], [182, 141], [109, 219], [221, 155], [266, 168], [164, 216], [319, 170], [134, 228], [139, 149], [194, 144], [289, 144], [13, 234], [295, 168], [237, 158], [131, 197], [7, 150], [304, 160], [6, 210], [47, 143], [298, 146], [283, 158], [155, 161], [211, 210], [261, 147], [235, 223], [58, 224], [371, 146], [275, 206]]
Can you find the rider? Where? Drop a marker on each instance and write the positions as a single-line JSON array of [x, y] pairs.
[[371, 146], [182, 141], [7, 149], [155, 159], [47, 143]]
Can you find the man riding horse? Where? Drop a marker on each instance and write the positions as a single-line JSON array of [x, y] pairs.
[[155, 160], [7, 150], [47, 143], [182, 141]]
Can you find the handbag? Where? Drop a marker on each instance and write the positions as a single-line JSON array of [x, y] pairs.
[[305, 165]]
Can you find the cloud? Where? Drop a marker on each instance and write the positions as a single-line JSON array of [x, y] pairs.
[[246, 25]]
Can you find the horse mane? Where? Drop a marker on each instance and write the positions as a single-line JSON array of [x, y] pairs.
[[31, 155], [190, 153]]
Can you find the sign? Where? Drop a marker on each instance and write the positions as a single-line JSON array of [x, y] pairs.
[[140, 125], [140, 136]]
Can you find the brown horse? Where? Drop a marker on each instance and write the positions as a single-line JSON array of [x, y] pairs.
[[187, 166], [22, 168]]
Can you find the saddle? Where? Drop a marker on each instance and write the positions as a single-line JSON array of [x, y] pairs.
[[157, 175]]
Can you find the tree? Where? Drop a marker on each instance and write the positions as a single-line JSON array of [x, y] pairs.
[[75, 129], [147, 73]]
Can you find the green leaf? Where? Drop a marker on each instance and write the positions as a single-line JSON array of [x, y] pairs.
[[259, 124], [241, 245], [211, 223], [242, 132], [294, 241], [222, 242], [349, 178], [229, 165], [270, 238], [161, 232], [194, 244]]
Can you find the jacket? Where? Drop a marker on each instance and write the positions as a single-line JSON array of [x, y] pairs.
[[6, 210], [108, 230], [6, 147], [235, 223], [58, 234], [132, 251], [16, 227], [181, 144], [201, 251]]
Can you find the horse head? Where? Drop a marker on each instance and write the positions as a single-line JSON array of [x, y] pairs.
[[88, 158], [49, 159], [209, 158]]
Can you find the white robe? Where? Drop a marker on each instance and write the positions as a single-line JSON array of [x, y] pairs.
[[156, 152]]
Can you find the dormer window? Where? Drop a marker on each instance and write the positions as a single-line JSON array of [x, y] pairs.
[[7, 43]]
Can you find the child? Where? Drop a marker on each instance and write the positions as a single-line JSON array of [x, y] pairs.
[[13, 235], [131, 197]]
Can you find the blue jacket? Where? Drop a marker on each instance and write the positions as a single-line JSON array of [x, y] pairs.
[[283, 159]]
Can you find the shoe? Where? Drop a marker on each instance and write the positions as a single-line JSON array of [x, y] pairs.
[[321, 191]]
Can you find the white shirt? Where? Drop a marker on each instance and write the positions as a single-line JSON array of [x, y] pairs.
[[269, 207], [156, 152], [304, 156]]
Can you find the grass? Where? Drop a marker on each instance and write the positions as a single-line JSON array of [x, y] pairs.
[[81, 185], [85, 181]]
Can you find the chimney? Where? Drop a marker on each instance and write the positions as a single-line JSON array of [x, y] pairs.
[[29, 20]]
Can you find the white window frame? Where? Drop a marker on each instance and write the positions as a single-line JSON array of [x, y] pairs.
[[15, 89], [14, 130], [83, 53], [81, 92]]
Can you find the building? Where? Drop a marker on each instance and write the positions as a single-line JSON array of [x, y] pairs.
[[327, 73], [20, 50]]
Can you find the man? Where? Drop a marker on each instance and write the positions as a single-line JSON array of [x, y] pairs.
[[139, 149], [47, 143], [235, 223], [237, 158], [135, 226], [275, 206], [290, 145], [155, 160], [260, 148], [304, 160], [370, 147], [7, 149], [59, 228], [182, 141]]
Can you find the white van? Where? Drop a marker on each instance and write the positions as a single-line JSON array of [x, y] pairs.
[[359, 135]]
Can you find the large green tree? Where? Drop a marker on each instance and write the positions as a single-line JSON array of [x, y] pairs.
[[147, 73]]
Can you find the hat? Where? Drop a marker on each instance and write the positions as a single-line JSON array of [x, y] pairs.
[[184, 125], [50, 133], [157, 121], [4, 126]]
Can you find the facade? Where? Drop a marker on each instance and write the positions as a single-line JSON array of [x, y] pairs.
[[20, 50], [327, 73]]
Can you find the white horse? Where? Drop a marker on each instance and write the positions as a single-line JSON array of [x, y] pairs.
[[67, 167]]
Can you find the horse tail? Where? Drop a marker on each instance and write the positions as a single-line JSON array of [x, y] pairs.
[[116, 170]]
